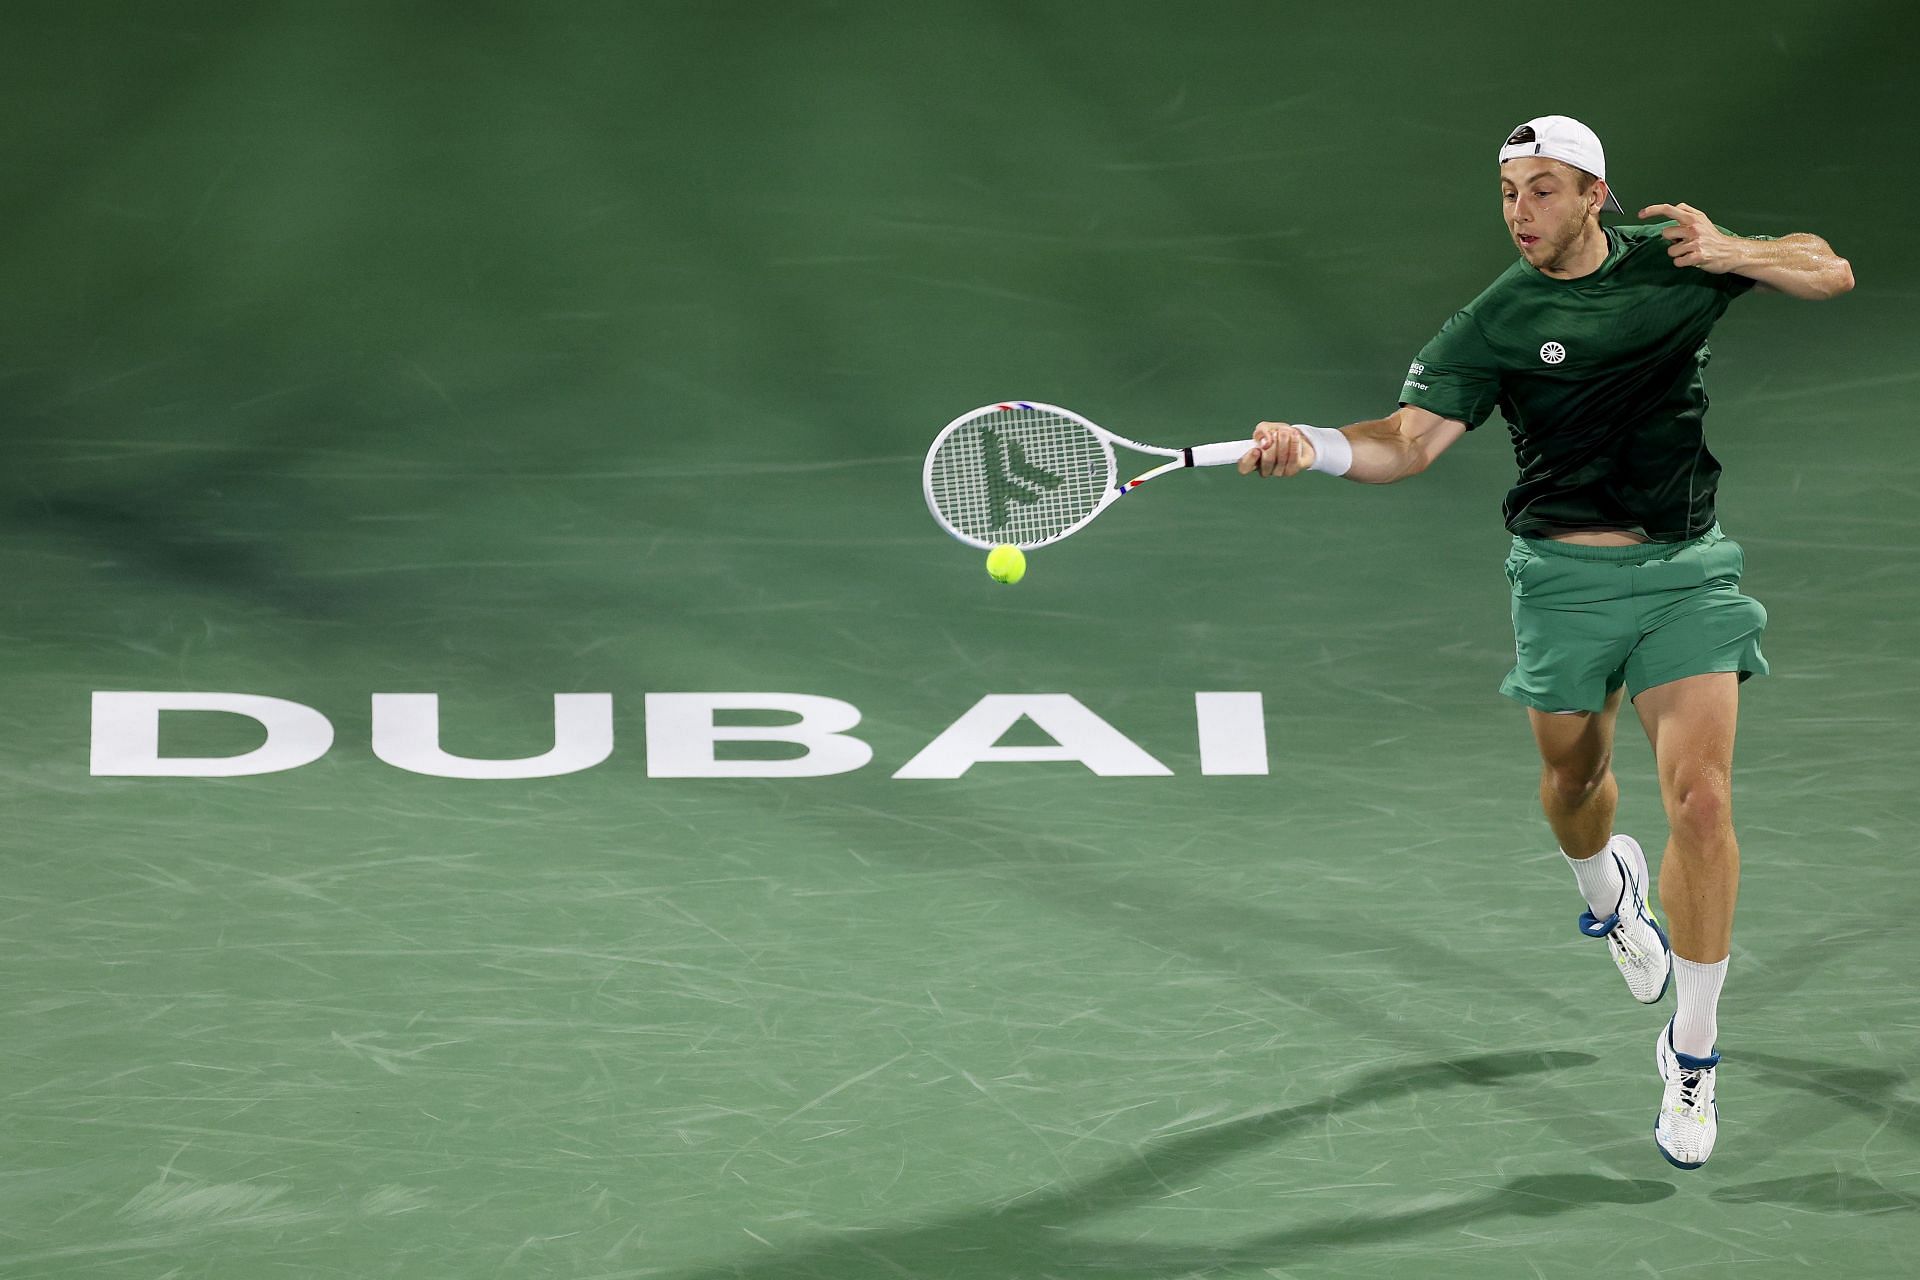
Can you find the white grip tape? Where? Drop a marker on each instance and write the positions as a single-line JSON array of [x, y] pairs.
[[1332, 451], [1224, 454]]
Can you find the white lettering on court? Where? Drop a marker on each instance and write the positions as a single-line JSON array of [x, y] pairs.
[[1078, 734], [406, 734], [126, 735], [1233, 733], [682, 735]]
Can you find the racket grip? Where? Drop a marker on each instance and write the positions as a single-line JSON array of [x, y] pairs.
[[1224, 454]]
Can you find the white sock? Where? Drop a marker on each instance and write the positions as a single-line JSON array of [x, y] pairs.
[[1601, 883], [1696, 989]]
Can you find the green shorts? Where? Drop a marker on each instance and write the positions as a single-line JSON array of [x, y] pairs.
[[1587, 620]]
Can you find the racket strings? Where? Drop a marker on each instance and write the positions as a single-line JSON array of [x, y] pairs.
[[1019, 475]]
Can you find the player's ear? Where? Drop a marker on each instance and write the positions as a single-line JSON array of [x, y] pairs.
[[1597, 196]]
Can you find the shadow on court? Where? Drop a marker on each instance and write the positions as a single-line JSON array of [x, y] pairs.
[[1868, 1091], [164, 539], [1830, 1192], [1840, 1088], [1034, 1236]]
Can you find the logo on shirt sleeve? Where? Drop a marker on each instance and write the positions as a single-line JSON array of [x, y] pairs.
[[1553, 352], [1414, 371]]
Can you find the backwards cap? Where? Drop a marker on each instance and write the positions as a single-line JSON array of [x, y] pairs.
[[1562, 138]]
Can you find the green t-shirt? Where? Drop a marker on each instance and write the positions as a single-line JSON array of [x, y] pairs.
[[1599, 380]]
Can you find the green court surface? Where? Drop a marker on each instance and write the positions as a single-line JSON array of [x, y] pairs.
[[502, 352]]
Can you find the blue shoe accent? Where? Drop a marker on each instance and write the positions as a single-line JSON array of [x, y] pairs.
[[1687, 1061], [1625, 929], [1597, 928], [1592, 925]]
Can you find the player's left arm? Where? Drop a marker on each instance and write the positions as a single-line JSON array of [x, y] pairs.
[[1800, 265]]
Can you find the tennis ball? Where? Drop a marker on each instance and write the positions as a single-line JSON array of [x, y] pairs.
[[1006, 564]]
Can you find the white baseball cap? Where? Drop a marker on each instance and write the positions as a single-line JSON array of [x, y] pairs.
[[1562, 138]]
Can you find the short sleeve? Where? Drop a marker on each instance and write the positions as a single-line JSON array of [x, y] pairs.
[[1455, 375]]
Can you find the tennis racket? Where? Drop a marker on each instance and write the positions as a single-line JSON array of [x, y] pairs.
[[1027, 474]]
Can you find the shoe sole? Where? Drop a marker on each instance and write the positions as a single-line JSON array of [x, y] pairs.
[[1678, 1164]]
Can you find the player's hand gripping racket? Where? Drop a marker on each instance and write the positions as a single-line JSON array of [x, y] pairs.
[[1027, 474]]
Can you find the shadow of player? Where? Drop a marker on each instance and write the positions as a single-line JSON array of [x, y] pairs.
[[1831, 1192], [1841, 1087], [1033, 1236], [1869, 1091]]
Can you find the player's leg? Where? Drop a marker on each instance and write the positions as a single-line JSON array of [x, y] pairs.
[[1701, 638], [1691, 724], [1577, 789], [1573, 629], [1579, 796]]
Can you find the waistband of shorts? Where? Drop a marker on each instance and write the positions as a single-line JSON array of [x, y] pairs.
[[1633, 553]]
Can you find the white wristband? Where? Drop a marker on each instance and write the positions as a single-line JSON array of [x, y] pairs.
[[1332, 451]]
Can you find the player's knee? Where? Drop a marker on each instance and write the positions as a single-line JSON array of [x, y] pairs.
[[1700, 806], [1573, 782]]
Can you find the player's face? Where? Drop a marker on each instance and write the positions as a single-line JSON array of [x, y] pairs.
[[1544, 207]]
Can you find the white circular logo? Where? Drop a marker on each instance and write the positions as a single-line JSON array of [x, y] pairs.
[[1553, 352]]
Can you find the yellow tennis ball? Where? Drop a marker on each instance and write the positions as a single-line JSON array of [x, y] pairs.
[[1006, 564]]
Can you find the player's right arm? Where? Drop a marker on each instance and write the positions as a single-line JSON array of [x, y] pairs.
[[1450, 388], [1402, 444]]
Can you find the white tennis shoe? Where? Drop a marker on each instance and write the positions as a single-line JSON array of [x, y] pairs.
[[1638, 943], [1689, 1117]]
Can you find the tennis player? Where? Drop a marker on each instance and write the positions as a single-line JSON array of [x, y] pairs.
[[1592, 347]]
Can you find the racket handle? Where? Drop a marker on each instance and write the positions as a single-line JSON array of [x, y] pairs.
[[1224, 454]]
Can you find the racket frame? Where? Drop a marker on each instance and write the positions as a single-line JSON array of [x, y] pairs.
[[1180, 459]]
